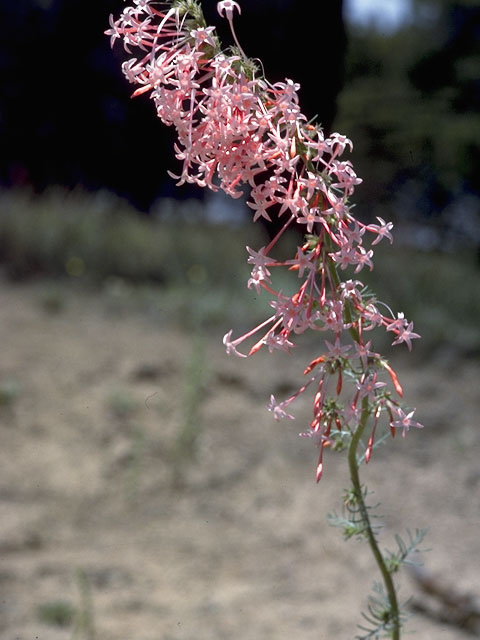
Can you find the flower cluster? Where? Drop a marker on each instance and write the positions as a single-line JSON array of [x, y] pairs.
[[235, 129]]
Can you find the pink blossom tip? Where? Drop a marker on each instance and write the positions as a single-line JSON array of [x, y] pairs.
[[225, 8]]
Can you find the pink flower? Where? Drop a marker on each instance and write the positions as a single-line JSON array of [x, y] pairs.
[[278, 341], [334, 318], [231, 345], [406, 334], [339, 143], [404, 420], [226, 8], [345, 257], [203, 36], [278, 409], [369, 386], [373, 316], [382, 230], [363, 258], [337, 351], [403, 329], [363, 352], [309, 218], [302, 261]]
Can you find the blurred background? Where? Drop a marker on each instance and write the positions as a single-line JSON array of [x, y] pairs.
[[125, 427]]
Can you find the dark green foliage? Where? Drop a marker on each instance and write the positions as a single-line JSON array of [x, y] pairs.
[[411, 104]]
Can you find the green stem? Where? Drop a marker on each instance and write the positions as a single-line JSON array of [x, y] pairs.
[[354, 475], [353, 463]]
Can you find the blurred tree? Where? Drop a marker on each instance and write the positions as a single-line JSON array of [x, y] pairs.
[[448, 77], [412, 106]]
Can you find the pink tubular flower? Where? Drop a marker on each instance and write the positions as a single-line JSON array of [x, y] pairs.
[[278, 409], [235, 130], [404, 420], [382, 230], [369, 387], [406, 334], [226, 8], [230, 345]]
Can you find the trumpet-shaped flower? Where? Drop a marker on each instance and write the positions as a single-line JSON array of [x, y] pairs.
[[227, 7]]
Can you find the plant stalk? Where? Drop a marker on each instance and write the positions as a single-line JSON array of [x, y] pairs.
[[354, 476]]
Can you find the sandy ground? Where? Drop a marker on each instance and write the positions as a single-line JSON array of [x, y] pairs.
[[99, 514]]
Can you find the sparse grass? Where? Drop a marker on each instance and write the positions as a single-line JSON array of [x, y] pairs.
[[56, 613], [61, 613], [134, 464], [83, 621], [9, 390], [122, 404], [190, 428]]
